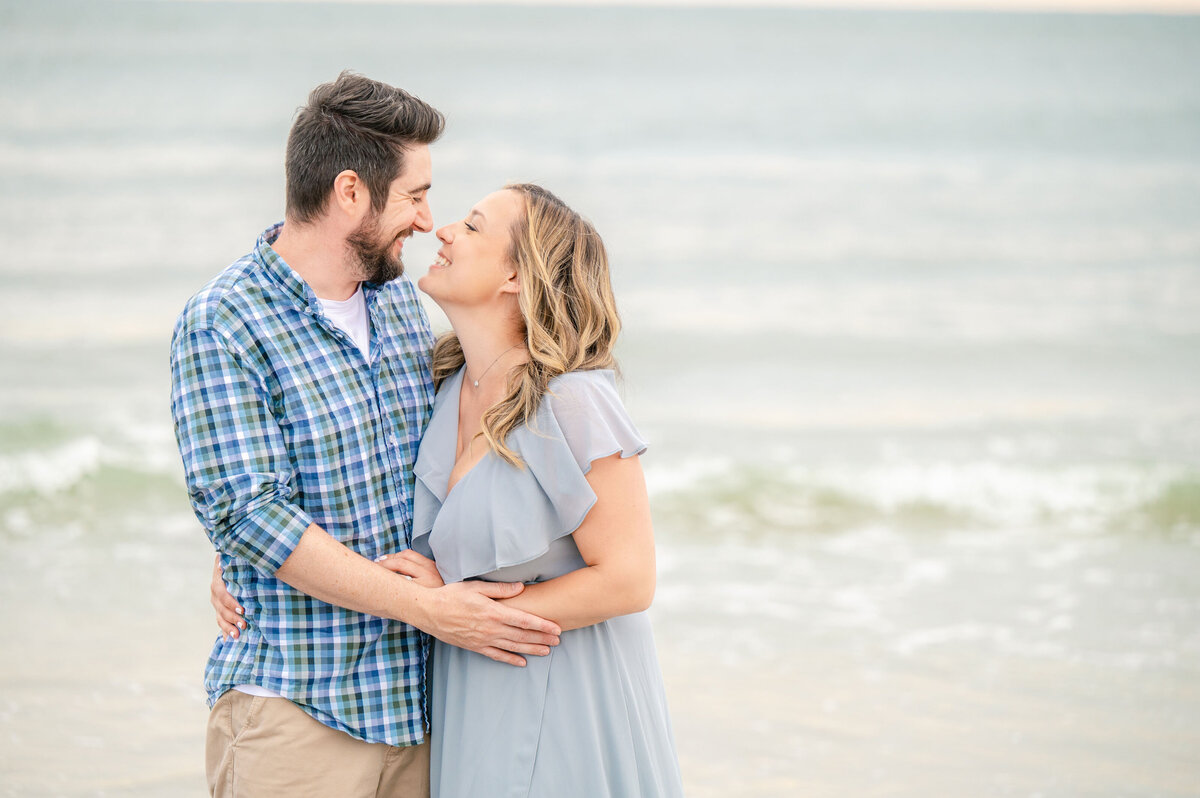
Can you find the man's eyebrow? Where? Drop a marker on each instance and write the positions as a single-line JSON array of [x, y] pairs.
[[420, 189]]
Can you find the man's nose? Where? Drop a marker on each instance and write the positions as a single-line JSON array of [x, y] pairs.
[[424, 220]]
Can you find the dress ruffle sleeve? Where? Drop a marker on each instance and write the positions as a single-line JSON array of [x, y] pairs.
[[499, 515]]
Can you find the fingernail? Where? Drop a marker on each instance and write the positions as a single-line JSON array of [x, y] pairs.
[[241, 624], [234, 634], [381, 558], [241, 611]]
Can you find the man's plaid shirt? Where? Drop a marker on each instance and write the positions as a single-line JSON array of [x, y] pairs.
[[282, 422]]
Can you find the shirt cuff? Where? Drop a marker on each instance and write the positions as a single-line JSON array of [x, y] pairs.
[[269, 534]]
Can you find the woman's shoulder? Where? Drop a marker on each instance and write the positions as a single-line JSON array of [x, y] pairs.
[[585, 409], [575, 388]]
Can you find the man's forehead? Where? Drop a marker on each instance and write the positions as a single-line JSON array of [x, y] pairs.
[[416, 176]]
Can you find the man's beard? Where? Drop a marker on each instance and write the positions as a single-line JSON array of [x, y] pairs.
[[375, 260]]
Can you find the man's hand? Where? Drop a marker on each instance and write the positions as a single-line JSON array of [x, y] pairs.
[[464, 614], [461, 614]]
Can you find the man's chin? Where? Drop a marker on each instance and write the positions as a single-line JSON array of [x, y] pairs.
[[382, 272]]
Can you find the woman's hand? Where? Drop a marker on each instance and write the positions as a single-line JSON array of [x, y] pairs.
[[416, 567], [229, 614]]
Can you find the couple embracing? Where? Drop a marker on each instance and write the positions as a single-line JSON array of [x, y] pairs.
[[433, 558]]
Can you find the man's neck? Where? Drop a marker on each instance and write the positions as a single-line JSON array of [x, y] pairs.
[[319, 256]]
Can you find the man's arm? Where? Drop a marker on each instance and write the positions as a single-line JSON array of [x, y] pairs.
[[240, 479], [464, 614]]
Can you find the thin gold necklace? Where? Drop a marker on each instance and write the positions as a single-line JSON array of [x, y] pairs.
[[489, 368]]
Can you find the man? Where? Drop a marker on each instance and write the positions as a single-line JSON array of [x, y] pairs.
[[300, 388]]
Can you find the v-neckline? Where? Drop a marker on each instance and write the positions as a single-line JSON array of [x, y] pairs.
[[454, 453]]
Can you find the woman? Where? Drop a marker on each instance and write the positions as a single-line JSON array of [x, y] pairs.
[[528, 472]]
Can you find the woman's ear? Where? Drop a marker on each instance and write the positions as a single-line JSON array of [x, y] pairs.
[[512, 283]]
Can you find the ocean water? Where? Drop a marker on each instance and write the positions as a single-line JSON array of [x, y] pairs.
[[912, 315]]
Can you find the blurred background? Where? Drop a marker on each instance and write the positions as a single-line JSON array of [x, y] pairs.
[[912, 308]]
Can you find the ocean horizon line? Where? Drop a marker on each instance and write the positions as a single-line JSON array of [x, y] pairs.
[[1099, 7]]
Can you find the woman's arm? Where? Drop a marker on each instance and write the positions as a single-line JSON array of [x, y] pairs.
[[616, 540]]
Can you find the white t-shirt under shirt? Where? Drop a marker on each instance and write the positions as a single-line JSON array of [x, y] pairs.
[[350, 315]]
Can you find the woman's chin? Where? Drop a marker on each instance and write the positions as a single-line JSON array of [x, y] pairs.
[[425, 284]]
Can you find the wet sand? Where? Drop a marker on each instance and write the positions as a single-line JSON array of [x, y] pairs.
[[101, 692]]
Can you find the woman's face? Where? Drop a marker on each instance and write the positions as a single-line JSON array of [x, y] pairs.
[[473, 267]]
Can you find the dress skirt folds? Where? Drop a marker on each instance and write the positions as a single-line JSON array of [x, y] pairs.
[[591, 718]]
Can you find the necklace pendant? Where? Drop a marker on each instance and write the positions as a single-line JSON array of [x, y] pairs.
[[476, 383]]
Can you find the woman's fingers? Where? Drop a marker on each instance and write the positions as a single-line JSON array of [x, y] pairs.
[[394, 563], [412, 558], [229, 613], [414, 566]]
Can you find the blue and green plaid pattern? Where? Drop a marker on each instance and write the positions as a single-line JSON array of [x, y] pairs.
[[281, 422]]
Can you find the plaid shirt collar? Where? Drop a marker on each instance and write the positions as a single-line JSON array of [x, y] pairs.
[[285, 276]]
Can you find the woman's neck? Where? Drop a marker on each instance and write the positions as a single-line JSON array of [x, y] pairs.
[[491, 350]]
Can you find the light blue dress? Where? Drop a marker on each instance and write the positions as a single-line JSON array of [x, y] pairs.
[[590, 719]]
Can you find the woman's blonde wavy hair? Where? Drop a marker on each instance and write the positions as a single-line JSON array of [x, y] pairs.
[[567, 308]]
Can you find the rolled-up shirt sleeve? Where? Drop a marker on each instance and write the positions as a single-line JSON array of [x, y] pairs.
[[239, 475]]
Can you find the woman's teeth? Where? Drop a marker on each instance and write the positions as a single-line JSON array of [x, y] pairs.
[[441, 261]]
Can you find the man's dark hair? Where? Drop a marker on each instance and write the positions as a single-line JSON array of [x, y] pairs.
[[353, 123]]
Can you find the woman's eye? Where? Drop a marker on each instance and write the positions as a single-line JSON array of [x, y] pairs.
[[471, 227]]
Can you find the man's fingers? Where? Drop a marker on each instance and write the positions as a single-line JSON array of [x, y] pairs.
[[526, 637], [514, 617], [531, 649], [524, 620], [503, 656]]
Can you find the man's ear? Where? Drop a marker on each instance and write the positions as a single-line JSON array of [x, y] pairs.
[[350, 195]]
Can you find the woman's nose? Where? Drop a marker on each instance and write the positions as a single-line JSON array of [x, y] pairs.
[[445, 234]]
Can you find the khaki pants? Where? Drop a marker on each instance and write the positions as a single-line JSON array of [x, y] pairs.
[[264, 747]]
